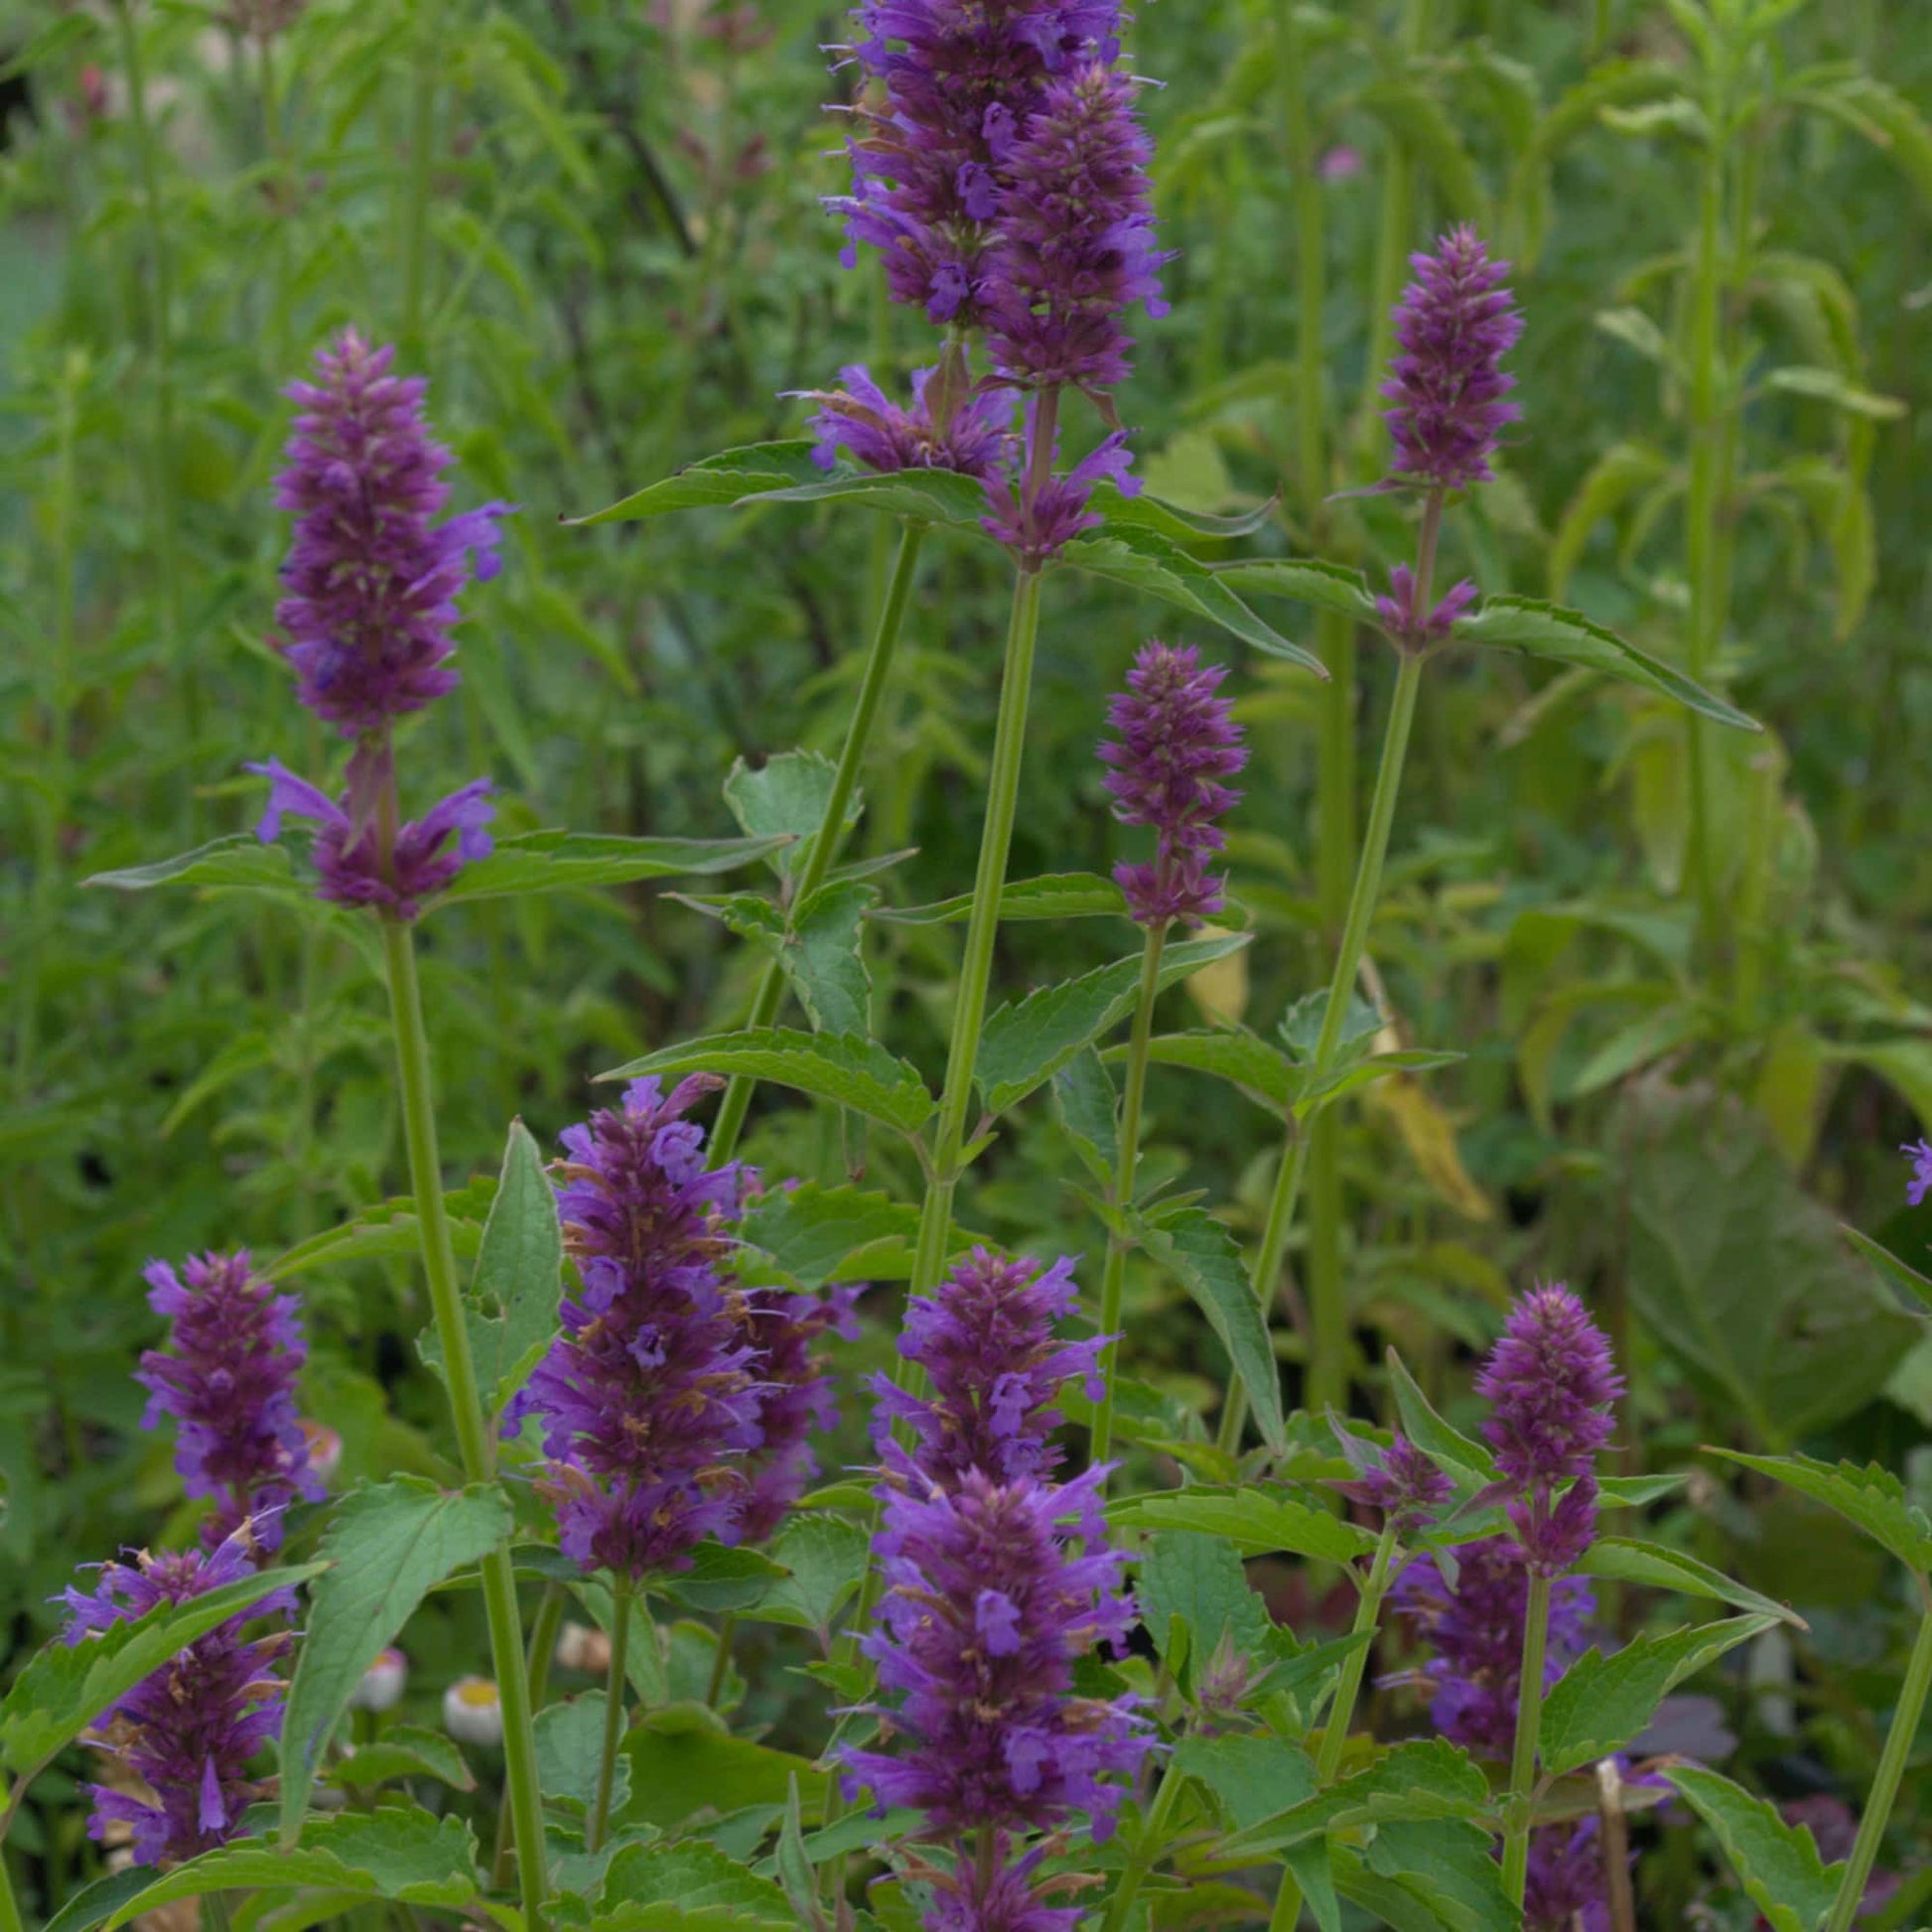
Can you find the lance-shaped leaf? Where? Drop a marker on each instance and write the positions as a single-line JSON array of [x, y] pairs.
[[556, 862], [926, 496], [1425, 1778], [1304, 580], [840, 1067], [716, 480], [239, 863], [1777, 1863], [1257, 1522], [388, 1545], [1600, 1703], [1026, 1043], [1148, 511], [65, 1687], [1890, 1265], [1089, 1110], [1243, 1059], [1541, 629], [1872, 1497], [1626, 1560], [1461, 1458], [1052, 895]]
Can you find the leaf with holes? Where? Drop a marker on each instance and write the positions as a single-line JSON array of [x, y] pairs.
[[787, 797], [821, 958], [1052, 895]]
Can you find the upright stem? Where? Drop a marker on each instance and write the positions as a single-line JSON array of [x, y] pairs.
[[9, 1905], [824, 848], [1891, 1768], [466, 1404], [1342, 1713], [1113, 1280], [1529, 1722], [536, 1666], [422, 167], [1147, 1848], [613, 1700]]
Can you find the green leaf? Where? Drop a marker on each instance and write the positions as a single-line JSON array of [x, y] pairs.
[[1253, 1777], [926, 496], [694, 1875], [721, 1579], [1145, 560], [1301, 1027], [840, 1067], [1423, 125], [1872, 1497], [1455, 1454], [1527, 624], [86, 1908], [65, 1687], [1306, 579], [787, 797], [683, 1759], [1832, 387], [727, 477], [821, 958], [389, 1229], [1423, 1778], [1884, 117], [570, 1745], [1089, 1110], [555, 861], [820, 1234], [1199, 1579], [1207, 1261], [239, 863], [1024, 1045], [669, 1915], [1149, 511], [1363, 1072], [1054, 896], [1258, 1522], [512, 1308], [1449, 1867], [794, 1865], [1778, 1863], [1612, 479], [1600, 1703], [1890, 1265], [403, 1751], [1625, 1559], [64, 33], [827, 1559], [1243, 1059], [388, 1545], [1740, 1275], [400, 1853]]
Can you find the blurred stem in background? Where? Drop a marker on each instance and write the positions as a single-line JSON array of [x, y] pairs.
[[419, 180]]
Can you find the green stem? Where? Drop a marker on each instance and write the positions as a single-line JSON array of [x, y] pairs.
[[1529, 1723], [824, 846], [1114, 1279], [422, 167], [720, 1664], [9, 1905], [465, 1403], [537, 1670], [1703, 507], [1891, 1768], [613, 1700], [1348, 1687], [1348, 959], [1147, 1848]]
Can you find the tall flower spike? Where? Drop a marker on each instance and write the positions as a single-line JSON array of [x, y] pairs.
[[1446, 387], [187, 1731], [647, 1398], [371, 578], [795, 1390], [861, 419], [992, 1591], [985, 1339], [230, 1383], [1178, 743]]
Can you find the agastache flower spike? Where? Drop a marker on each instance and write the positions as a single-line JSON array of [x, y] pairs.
[[230, 1383], [187, 1730], [646, 1399], [861, 419], [1177, 741], [794, 1391], [985, 1339], [1920, 1185]]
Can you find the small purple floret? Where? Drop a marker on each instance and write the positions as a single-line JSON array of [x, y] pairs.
[[1398, 613], [795, 1390], [1405, 1486], [863, 420], [1038, 524], [1008, 1898], [1920, 1185], [235, 1349], [1178, 743]]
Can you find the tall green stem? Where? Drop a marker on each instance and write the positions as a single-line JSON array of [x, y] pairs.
[[1147, 1848], [1891, 1768], [613, 1700], [1113, 1281], [1350, 1685], [9, 1905], [422, 170], [466, 1404], [1529, 1723], [1348, 959], [536, 1669], [824, 848]]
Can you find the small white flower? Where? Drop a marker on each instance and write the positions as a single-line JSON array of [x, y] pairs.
[[473, 1713], [382, 1681], [578, 1647], [325, 1447]]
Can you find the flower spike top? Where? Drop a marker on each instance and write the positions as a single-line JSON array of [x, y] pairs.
[[229, 1382], [1920, 1185], [647, 1398], [992, 1591], [187, 1730], [1405, 1486], [1446, 388], [371, 578], [861, 419], [985, 1337], [1178, 743], [795, 1396]]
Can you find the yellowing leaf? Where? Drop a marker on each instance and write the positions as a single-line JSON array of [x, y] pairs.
[[1431, 1140], [1220, 988]]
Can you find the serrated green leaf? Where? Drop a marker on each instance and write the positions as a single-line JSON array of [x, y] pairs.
[[555, 861], [1626, 1560], [1777, 1863], [1206, 1259], [1024, 1045], [65, 1687], [1253, 1775], [1420, 1779], [1449, 1867], [1870, 1497], [87, 1908], [389, 1229], [813, 1232], [1301, 1027], [387, 1544], [237, 863], [1364, 1072], [1199, 1580], [840, 1067], [925, 495], [787, 797], [827, 1559], [1183, 526], [569, 1745], [822, 959], [1089, 1109], [721, 1579], [403, 1751], [1054, 896], [1459, 1456], [1890, 1265], [1258, 1522], [730, 476], [683, 1759], [1234, 1055], [1541, 629], [1304, 580]]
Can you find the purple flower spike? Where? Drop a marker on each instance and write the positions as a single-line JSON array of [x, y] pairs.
[[187, 1730], [1920, 1185], [1177, 741], [1036, 525], [861, 419], [1076, 236], [1399, 617], [371, 578], [647, 1398], [230, 1383], [986, 1341], [1004, 1898], [795, 1397], [1405, 1486], [350, 864], [987, 1606], [1455, 324]]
